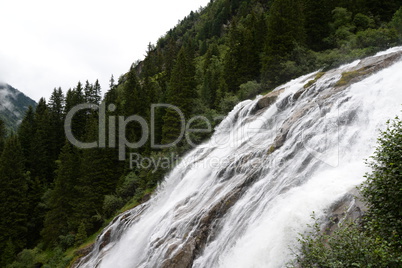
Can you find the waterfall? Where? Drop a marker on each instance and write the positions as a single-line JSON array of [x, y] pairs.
[[242, 198]]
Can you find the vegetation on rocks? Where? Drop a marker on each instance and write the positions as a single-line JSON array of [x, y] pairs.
[[375, 239]]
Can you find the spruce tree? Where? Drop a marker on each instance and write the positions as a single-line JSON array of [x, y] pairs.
[[26, 132], [63, 197], [56, 112], [42, 162], [181, 93], [2, 135], [285, 31], [13, 196], [318, 16]]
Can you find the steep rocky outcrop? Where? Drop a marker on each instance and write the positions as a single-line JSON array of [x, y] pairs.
[[13, 105]]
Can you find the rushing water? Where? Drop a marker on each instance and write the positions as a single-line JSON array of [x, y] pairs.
[[242, 198]]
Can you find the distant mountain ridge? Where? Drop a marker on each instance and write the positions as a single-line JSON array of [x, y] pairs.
[[13, 104]]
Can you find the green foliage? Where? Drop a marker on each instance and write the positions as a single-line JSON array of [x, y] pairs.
[[363, 22], [181, 93], [59, 219], [249, 90], [228, 102], [2, 135], [382, 189], [285, 32], [311, 82], [81, 234], [348, 246], [127, 188], [379, 38], [348, 76], [397, 22], [111, 204], [211, 60]]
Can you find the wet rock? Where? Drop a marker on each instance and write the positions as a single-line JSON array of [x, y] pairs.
[[349, 208], [269, 99]]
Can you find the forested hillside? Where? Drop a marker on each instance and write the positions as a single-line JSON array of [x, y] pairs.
[[56, 196], [13, 105]]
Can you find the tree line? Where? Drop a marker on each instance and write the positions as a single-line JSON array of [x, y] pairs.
[[55, 195]]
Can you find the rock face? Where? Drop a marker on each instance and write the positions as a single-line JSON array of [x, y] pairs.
[[349, 208], [269, 99], [363, 69]]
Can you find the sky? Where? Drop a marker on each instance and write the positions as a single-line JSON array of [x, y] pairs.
[[51, 43]]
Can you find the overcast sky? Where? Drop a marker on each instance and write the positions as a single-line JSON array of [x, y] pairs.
[[47, 44]]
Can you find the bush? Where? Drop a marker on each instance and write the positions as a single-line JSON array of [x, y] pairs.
[[383, 187], [348, 246], [249, 90], [111, 204], [128, 186], [380, 38], [228, 102]]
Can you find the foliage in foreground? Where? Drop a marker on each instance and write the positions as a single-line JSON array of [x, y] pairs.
[[376, 241]]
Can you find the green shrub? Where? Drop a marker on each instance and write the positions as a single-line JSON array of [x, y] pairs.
[[348, 246], [249, 90], [383, 187], [228, 102], [363, 22], [128, 186], [111, 204], [380, 38]]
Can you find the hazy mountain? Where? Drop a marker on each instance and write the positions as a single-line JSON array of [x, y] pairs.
[[13, 104]]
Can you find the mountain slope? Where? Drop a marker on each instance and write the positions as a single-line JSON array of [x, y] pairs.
[[13, 105]]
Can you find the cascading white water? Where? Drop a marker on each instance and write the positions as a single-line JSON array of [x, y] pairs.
[[241, 199]]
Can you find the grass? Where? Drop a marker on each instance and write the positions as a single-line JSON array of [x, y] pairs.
[[311, 82], [348, 76]]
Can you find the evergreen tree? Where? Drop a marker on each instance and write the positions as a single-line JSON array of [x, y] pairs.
[[181, 93], [213, 71], [13, 196], [62, 199], [98, 178], [2, 134], [42, 162], [318, 16], [56, 112], [26, 132], [285, 31], [73, 98], [133, 102]]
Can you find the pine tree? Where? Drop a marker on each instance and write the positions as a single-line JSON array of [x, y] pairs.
[[13, 196]]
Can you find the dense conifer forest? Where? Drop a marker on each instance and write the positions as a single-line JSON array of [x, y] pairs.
[[55, 197]]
